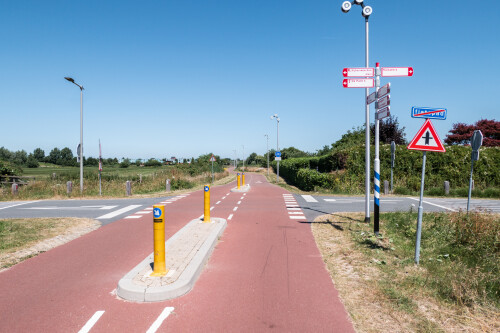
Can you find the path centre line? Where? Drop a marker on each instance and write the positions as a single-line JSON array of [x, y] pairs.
[[218, 202], [91, 322], [164, 314], [119, 211], [242, 198], [230, 216], [433, 204], [239, 202], [235, 208], [23, 203]]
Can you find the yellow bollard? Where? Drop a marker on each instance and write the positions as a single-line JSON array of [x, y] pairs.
[[206, 211], [243, 179], [238, 178], [159, 268]]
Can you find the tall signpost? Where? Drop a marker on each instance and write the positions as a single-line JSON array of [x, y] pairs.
[[382, 110], [475, 142], [425, 140], [100, 168], [393, 159], [366, 12], [277, 158], [267, 137]]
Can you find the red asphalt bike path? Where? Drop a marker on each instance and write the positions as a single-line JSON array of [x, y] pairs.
[[265, 273]]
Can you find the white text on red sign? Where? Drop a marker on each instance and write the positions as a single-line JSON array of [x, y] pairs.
[[397, 71], [358, 83], [358, 72]]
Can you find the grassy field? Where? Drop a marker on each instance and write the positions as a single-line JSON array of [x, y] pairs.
[[455, 288], [50, 181]]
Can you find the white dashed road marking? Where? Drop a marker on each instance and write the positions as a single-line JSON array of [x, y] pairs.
[[230, 217], [91, 322], [309, 198], [118, 212], [164, 314]]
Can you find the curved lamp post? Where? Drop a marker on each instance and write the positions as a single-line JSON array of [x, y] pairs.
[[366, 12], [80, 152]]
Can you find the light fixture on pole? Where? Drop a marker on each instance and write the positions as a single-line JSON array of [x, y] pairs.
[[277, 144], [366, 12], [80, 150]]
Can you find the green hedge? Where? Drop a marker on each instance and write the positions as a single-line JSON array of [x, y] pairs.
[[344, 169]]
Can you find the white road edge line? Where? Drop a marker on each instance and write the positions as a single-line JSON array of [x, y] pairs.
[[230, 216], [164, 314], [23, 203], [430, 203], [91, 322], [118, 212]]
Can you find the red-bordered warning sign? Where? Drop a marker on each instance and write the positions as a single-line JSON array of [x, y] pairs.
[[427, 139]]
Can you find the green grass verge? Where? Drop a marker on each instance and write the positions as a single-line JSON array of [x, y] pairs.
[[459, 256]]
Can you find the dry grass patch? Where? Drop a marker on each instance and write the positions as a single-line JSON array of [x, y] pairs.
[[382, 290], [21, 239]]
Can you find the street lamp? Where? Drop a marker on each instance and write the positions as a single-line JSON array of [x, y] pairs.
[[234, 150], [267, 137], [277, 144], [243, 158], [366, 12], [80, 151]]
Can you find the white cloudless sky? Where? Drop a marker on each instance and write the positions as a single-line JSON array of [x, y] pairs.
[[185, 78]]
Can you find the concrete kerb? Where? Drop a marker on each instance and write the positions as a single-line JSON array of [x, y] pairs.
[[130, 290], [244, 188]]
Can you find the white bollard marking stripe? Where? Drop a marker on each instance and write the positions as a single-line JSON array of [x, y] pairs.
[[164, 314], [91, 322], [119, 212]]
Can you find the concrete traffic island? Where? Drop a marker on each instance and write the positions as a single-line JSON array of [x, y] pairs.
[[242, 189], [186, 253]]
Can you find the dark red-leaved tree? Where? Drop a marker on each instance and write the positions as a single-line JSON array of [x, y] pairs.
[[461, 133]]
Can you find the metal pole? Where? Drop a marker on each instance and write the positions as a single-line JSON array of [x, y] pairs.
[[243, 158], [278, 148], [420, 211], [81, 140], [212, 172], [391, 180], [470, 185], [376, 180], [267, 137], [367, 135]]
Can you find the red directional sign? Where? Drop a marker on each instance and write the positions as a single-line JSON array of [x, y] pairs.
[[427, 139], [384, 90], [358, 72], [384, 101], [383, 113], [371, 98], [397, 71], [358, 83]]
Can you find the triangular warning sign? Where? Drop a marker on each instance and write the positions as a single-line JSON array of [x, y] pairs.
[[427, 139], [212, 159]]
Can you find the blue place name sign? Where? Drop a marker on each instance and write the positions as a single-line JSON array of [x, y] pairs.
[[429, 113]]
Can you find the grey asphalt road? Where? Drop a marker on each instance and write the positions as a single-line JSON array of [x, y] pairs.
[[314, 206], [105, 210]]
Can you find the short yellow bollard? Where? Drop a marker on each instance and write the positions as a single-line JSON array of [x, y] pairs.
[[159, 268], [238, 179], [206, 211], [243, 179]]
